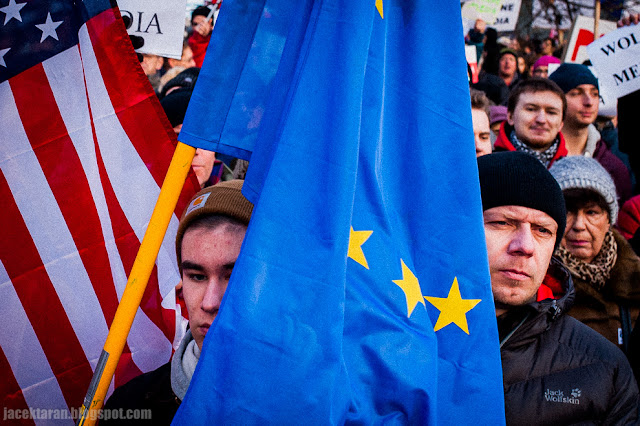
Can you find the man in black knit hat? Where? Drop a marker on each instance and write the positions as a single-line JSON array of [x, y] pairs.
[[580, 134], [556, 370]]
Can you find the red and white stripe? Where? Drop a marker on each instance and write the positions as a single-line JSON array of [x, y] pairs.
[[85, 151]]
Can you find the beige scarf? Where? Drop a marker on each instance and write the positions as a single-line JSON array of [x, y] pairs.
[[598, 271]]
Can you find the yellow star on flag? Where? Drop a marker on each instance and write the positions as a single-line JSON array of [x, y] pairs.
[[411, 287], [379, 7], [356, 240], [453, 308]]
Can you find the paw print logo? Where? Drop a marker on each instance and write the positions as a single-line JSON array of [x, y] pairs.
[[575, 393]]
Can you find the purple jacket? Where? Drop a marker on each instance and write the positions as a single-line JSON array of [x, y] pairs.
[[616, 169]]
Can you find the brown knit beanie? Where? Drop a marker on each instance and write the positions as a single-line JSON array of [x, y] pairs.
[[224, 198]]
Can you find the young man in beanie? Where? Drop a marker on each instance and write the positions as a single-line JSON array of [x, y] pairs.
[[581, 136], [535, 111], [556, 370], [208, 242]]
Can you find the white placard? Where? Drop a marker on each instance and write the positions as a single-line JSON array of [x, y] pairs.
[[608, 104], [582, 35], [487, 10], [507, 17], [471, 53], [159, 22], [616, 58]]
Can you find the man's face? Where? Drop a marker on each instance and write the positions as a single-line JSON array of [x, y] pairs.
[[507, 65], [537, 118], [481, 132], [151, 64], [202, 164], [582, 105], [520, 242], [208, 257]]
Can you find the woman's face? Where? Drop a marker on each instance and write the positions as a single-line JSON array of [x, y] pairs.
[[586, 229]]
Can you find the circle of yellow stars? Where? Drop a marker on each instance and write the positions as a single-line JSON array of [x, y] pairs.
[[453, 308]]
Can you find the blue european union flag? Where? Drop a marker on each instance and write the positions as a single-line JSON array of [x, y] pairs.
[[362, 292]]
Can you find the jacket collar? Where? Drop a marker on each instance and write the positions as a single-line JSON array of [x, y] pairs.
[[522, 324], [503, 142]]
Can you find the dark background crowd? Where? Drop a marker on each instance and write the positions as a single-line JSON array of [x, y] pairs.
[[570, 180]]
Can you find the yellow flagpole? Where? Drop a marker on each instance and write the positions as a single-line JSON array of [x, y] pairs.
[[140, 273]]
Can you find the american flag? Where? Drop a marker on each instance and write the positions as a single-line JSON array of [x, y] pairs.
[[84, 149]]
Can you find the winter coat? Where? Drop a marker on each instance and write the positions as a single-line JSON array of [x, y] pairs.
[[150, 391], [612, 164], [600, 310], [503, 143], [558, 371], [154, 391], [198, 45], [629, 217]]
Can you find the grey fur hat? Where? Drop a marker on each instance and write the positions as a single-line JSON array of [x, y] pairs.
[[584, 172]]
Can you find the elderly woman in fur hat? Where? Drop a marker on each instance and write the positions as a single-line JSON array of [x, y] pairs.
[[604, 267]]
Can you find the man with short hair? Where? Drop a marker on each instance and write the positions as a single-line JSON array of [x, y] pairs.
[[480, 120], [508, 66], [535, 111], [152, 66], [580, 134], [208, 242], [556, 370]]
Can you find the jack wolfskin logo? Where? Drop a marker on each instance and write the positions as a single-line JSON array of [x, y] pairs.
[[558, 396]]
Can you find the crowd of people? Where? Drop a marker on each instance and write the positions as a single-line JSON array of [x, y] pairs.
[[546, 153], [561, 225]]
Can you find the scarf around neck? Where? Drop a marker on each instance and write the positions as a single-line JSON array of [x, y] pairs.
[[545, 157], [598, 271], [184, 364]]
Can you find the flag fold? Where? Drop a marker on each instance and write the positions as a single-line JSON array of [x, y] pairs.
[[362, 293]]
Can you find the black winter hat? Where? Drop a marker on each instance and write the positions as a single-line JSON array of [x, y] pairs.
[[519, 179], [185, 80], [569, 76], [175, 105]]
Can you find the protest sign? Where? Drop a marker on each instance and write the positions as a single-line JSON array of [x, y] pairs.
[[616, 58], [582, 35], [472, 59], [507, 16], [486, 10], [160, 22]]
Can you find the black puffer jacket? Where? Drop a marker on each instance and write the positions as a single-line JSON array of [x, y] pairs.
[[558, 371], [151, 392]]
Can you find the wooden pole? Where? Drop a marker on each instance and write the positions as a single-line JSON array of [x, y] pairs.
[[140, 273], [596, 20]]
